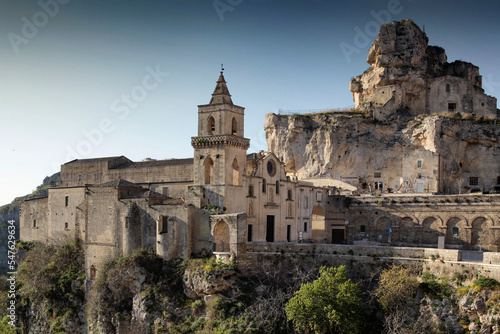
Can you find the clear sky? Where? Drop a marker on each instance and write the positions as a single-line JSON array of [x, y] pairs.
[[88, 78]]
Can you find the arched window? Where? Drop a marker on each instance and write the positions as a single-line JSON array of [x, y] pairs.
[[277, 187], [93, 272], [448, 89], [211, 126], [264, 185], [236, 173], [209, 171], [234, 127]]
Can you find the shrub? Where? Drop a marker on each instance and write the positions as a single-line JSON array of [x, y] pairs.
[[396, 288], [486, 283]]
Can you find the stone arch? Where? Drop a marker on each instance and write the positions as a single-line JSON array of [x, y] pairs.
[[236, 172], [382, 229], [209, 171], [406, 230], [480, 235], [221, 237], [234, 127], [456, 231], [211, 126], [431, 230], [318, 224]]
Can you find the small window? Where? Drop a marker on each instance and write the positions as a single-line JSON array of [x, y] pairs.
[[305, 226], [455, 231], [288, 233], [34, 223], [66, 226], [319, 196], [234, 127], [498, 179], [448, 89], [306, 202], [452, 106], [249, 234], [211, 126], [419, 176], [419, 164], [473, 181], [79, 177], [250, 190], [362, 228], [337, 176], [264, 185], [277, 187], [379, 185], [289, 197], [92, 272], [163, 225], [66, 201], [377, 175]]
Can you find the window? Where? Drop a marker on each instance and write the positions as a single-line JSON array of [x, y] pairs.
[[419, 163], [34, 223], [163, 224], [379, 185], [277, 187], [249, 234], [337, 176], [319, 196], [377, 175], [250, 190], [362, 228], [473, 181], [289, 195], [448, 89], [288, 233], [92, 272], [79, 177], [209, 171], [211, 126], [234, 127], [419, 176], [452, 106], [164, 191], [306, 202], [271, 168], [65, 226], [498, 179], [305, 226], [455, 231], [264, 185], [66, 201]]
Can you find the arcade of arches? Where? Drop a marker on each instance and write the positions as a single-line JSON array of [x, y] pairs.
[[462, 231]]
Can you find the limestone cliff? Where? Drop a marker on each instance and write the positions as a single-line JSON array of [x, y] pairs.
[[355, 148]]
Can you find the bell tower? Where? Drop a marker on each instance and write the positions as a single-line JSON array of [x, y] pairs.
[[220, 148]]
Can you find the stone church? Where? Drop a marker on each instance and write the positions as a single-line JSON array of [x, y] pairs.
[[217, 201]]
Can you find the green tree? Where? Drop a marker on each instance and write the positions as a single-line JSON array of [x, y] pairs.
[[330, 304]]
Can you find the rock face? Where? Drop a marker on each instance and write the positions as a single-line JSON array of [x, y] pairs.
[[420, 124], [381, 155], [407, 74]]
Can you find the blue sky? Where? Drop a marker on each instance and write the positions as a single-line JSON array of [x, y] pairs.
[[67, 68]]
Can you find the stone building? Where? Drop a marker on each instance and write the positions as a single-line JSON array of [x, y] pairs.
[[225, 200]]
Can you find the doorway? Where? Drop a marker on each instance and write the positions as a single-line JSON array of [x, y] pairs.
[[270, 229]]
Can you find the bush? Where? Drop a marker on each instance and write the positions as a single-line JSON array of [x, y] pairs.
[[486, 283], [396, 288], [330, 304]]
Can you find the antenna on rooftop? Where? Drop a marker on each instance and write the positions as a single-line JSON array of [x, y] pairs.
[[222, 67]]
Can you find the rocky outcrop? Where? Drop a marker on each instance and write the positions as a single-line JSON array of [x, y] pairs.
[[351, 146], [406, 73], [198, 283]]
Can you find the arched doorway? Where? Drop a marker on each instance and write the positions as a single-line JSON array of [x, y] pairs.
[[221, 237], [209, 171], [456, 234], [431, 230], [480, 232], [318, 224]]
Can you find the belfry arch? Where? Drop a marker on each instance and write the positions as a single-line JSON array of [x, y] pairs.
[[211, 126], [209, 171]]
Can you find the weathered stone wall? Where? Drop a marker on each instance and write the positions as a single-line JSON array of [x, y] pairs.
[[34, 220]]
